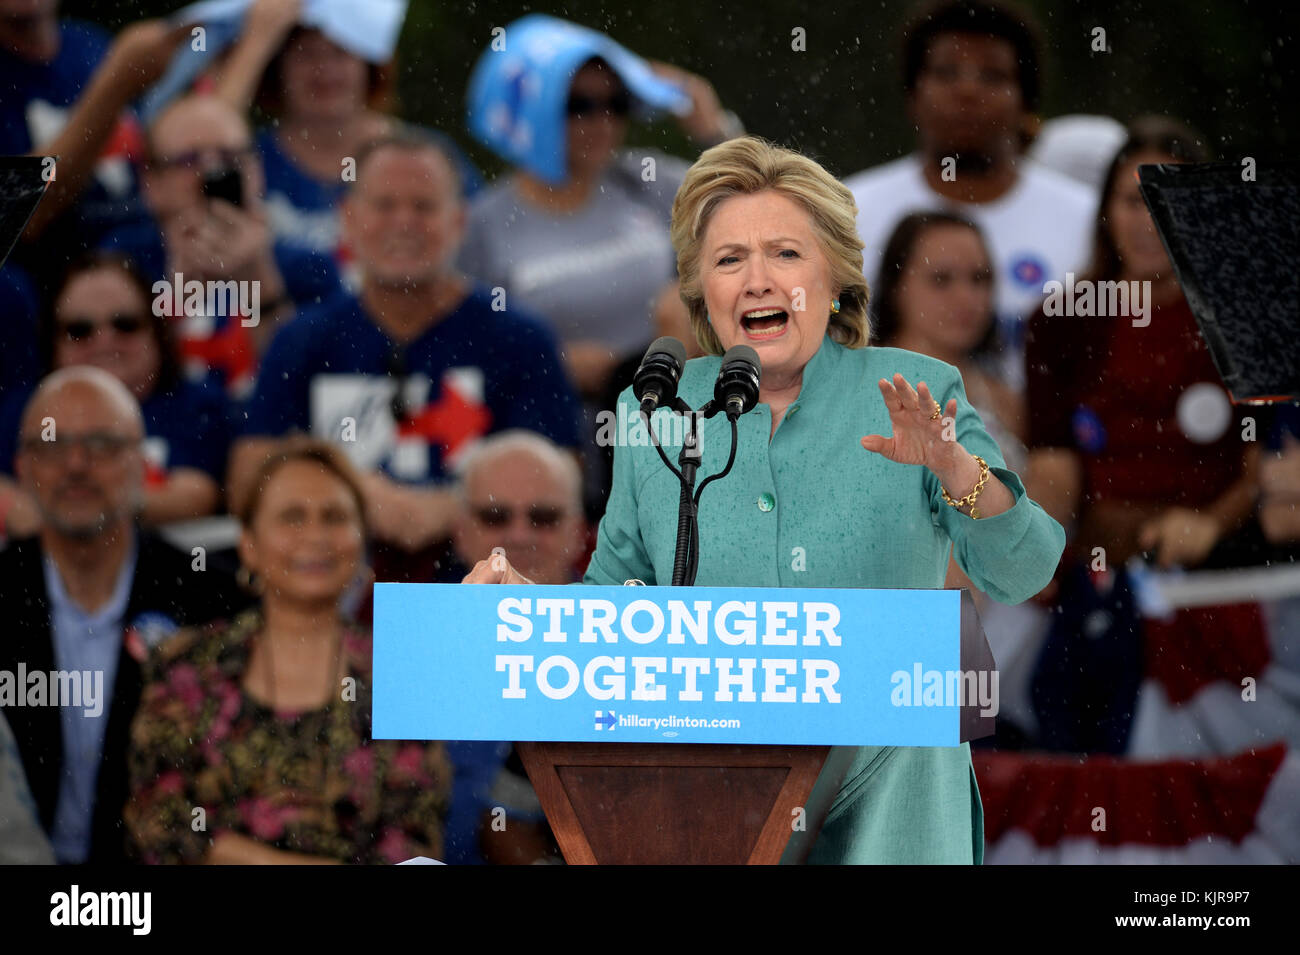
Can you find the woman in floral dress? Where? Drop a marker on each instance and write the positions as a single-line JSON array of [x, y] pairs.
[[252, 743]]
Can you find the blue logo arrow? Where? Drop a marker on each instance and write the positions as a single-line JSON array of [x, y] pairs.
[[605, 720]]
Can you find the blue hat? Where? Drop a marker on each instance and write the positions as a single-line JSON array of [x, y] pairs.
[[517, 95]]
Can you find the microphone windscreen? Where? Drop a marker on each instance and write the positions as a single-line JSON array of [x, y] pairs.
[[661, 369], [668, 346], [742, 353], [736, 389]]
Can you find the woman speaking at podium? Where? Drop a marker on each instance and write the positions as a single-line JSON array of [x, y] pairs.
[[858, 468]]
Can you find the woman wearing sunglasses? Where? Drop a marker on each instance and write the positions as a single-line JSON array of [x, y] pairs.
[[102, 316], [588, 248]]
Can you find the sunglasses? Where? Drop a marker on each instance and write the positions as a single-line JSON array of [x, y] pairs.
[[579, 106], [80, 329], [539, 515]]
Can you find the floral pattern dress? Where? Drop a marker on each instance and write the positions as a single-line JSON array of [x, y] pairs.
[[310, 782]]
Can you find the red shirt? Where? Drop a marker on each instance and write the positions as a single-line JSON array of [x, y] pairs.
[[1144, 406]]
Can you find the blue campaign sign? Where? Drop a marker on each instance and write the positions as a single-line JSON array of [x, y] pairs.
[[672, 664]]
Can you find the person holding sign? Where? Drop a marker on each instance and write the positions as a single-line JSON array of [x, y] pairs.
[[860, 466]]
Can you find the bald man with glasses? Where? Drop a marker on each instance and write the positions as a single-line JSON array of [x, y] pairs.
[[89, 595]]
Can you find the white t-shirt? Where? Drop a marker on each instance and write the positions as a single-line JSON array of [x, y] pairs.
[[1038, 231]]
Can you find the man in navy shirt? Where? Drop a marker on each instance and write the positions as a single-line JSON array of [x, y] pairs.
[[409, 373], [207, 239], [64, 90], [45, 64], [89, 595]]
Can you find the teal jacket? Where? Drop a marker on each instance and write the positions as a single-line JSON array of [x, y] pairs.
[[812, 508]]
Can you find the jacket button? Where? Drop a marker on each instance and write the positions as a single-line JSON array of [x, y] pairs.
[[766, 502]]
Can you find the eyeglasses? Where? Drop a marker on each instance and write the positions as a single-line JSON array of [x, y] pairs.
[[80, 329], [204, 159], [100, 446], [540, 516], [580, 106]]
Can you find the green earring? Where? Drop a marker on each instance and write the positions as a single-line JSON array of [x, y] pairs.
[[835, 306]]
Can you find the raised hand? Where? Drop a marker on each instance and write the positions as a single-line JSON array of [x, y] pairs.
[[273, 17], [706, 122], [917, 433]]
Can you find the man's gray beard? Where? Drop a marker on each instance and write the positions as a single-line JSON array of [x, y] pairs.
[[90, 531], [82, 531]]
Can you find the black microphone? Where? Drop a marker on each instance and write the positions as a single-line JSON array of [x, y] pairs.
[[655, 382], [736, 390]]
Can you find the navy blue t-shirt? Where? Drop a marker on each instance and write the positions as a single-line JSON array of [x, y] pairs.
[[303, 210], [215, 344], [20, 364], [187, 426], [35, 100], [334, 373], [56, 84]]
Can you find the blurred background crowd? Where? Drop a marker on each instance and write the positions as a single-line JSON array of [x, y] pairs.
[[456, 242]]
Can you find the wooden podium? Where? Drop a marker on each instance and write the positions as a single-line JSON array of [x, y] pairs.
[[684, 804], [703, 804]]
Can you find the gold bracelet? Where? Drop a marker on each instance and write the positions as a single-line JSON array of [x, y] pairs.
[[971, 497]]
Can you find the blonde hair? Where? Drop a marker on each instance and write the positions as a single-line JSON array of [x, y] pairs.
[[747, 165]]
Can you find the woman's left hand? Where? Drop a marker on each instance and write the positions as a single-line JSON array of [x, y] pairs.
[[918, 438], [707, 121]]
